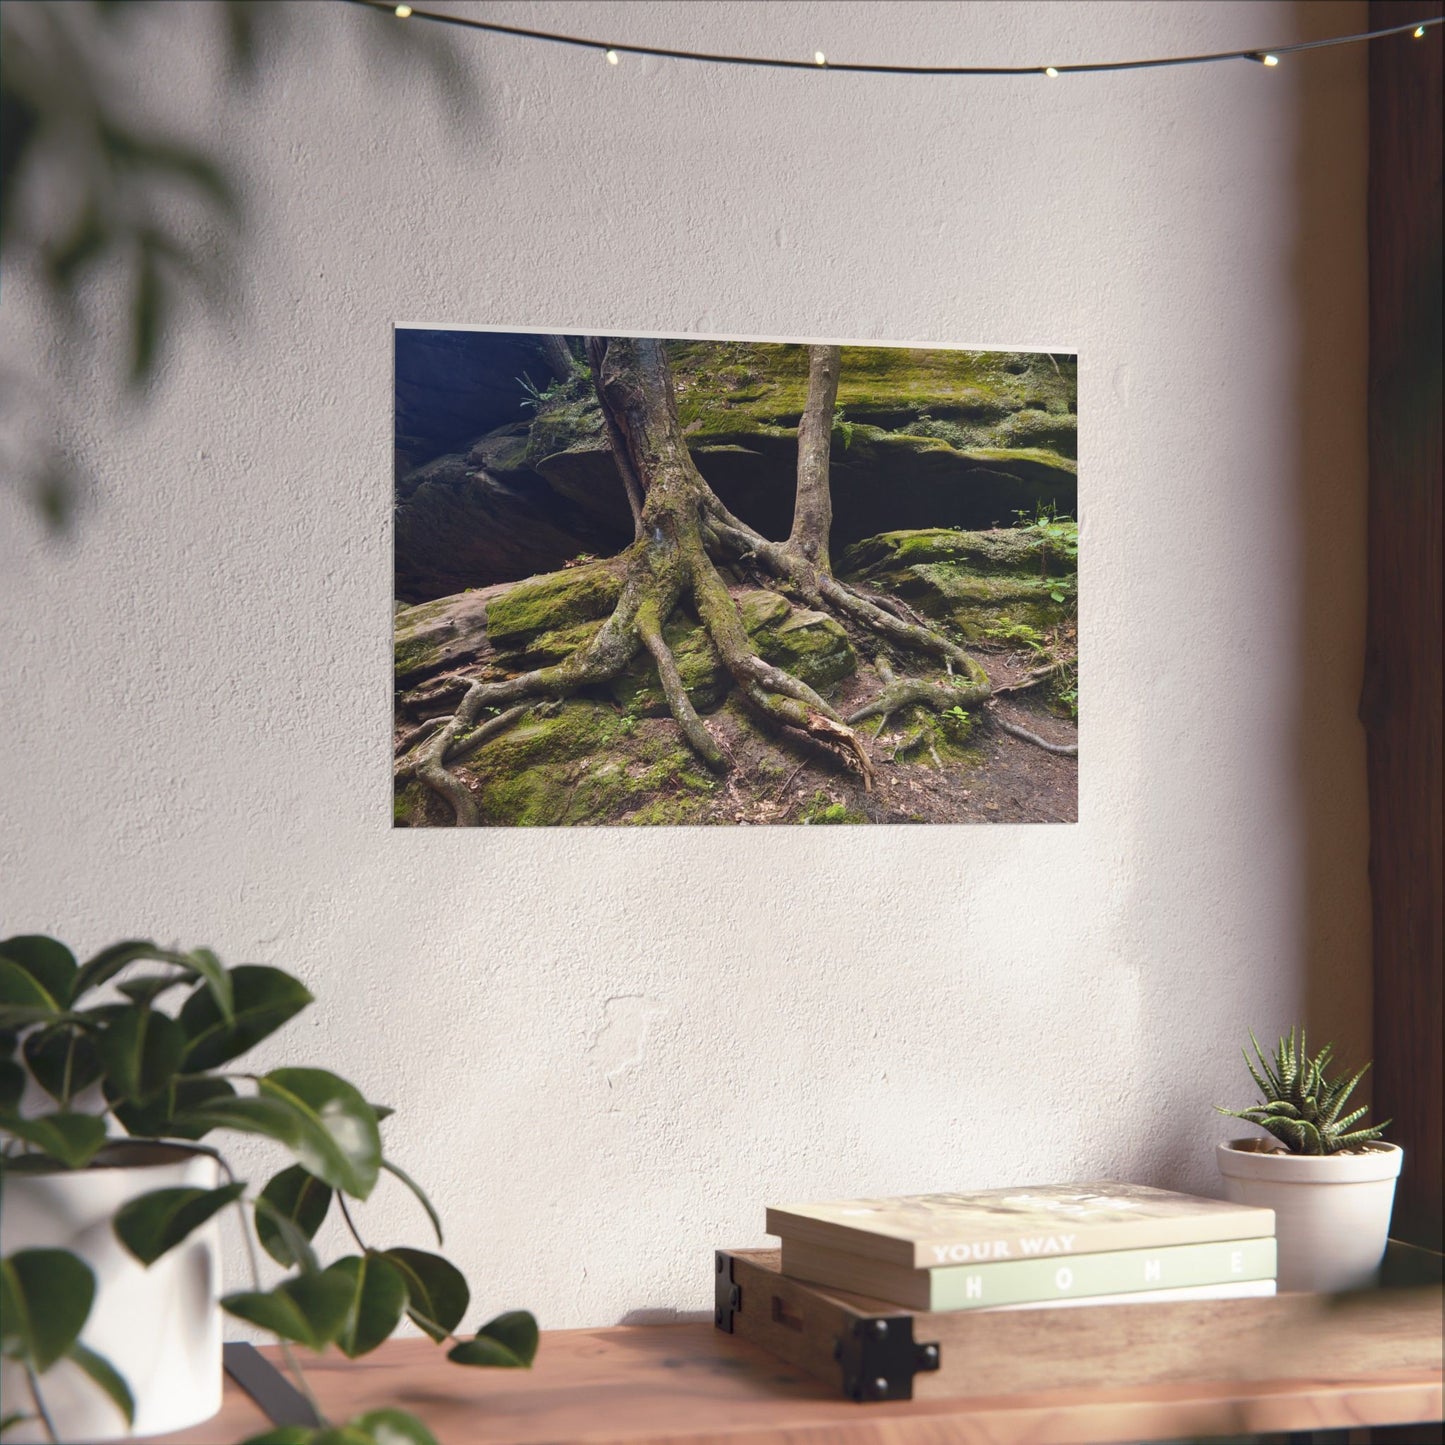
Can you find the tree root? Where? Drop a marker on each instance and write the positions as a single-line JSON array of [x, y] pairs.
[[693, 728], [1063, 750]]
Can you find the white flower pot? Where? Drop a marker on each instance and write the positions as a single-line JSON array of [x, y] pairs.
[[1331, 1211], [160, 1327]]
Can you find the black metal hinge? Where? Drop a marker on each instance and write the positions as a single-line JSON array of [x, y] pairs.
[[880, 1357], [727, 1296]]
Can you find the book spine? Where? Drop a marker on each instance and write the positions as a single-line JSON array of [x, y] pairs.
[[1250, 1289], [1085, 1275]]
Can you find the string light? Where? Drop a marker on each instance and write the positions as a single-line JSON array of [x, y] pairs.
[[1259, 56]]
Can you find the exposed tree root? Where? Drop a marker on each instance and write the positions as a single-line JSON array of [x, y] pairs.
[[1063, 750]]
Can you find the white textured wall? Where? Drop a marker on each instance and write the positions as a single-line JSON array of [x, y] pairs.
[[611, 1049]]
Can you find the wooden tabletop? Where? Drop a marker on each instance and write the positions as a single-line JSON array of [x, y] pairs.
[[670, 1384]]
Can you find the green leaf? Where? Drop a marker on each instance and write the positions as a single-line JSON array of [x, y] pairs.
[[152, 1224], [264, 999], [437, 1294], [416, 1189], [1057, 596], [283, 1435], [310, 1309], [45, 1299], [73, 1139], [106, 1376], [277, 1114], [378, 1296], [51, 964], [393, 1427], [289, 1237], [200, 963], [341, 1143], [109, 962], [12, 1085], [141, 1051], [160, 1117], [148, 989], [208, 967], [10, 1421], [23, 998], [63, 1060], [299, 1197], [507, 1342]]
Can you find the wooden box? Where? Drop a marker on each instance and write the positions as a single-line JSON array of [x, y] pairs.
[[873, 1350]]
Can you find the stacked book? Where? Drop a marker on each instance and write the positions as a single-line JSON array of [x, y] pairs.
[[1029, 1248]]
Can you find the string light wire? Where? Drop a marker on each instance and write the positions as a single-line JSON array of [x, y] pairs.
[[1260, 55]]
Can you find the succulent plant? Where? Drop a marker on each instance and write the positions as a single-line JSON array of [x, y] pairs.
[[1301, 1108]]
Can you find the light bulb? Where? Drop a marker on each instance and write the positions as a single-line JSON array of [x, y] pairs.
[[819, 58], [1419, 32], [1051, 72], [1271, 60], [612, 57], [402, 11]]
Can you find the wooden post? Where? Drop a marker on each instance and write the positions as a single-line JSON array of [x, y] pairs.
[[1400, 704]]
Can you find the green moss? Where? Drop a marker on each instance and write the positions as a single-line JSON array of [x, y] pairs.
[[810, 645], [413, 655], [408, 805], [984, 583], [762, 385], [578, 764], [553, 603], [820, 808]]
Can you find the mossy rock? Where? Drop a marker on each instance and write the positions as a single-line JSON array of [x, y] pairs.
[[989, 585], [581, 763], [435, 635], [551, 604]]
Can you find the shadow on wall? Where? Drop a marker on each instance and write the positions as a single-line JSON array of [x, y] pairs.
[[1323, 747]]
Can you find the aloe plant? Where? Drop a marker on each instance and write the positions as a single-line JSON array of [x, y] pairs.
[[114, 1062], [1301, 1107]]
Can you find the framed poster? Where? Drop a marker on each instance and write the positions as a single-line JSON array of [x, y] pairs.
[[643, 580]]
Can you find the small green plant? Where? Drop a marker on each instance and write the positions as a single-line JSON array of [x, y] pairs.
[[820, 808], [70, 1031], [1301, 1107], [1058, 536], [843, 427]]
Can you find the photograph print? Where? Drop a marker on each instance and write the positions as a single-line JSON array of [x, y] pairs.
[[680, 581]]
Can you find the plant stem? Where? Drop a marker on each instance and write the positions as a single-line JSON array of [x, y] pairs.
[[69, 1072], [346, 1215], [254, 1260], [39, 1403]]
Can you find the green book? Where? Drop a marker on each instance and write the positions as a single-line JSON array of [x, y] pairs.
[[1034, 1281]]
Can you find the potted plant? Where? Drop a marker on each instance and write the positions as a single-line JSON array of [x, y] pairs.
[[116, 1077], [1331, 1185]]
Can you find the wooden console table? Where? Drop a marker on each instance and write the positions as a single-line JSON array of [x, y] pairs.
[[670, 1384]]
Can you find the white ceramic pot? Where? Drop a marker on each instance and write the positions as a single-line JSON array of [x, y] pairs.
[[160, 1327], [1331, 1211]]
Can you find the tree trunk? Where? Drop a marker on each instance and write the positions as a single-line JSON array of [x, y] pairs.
[[813, 509], [559, 358]]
